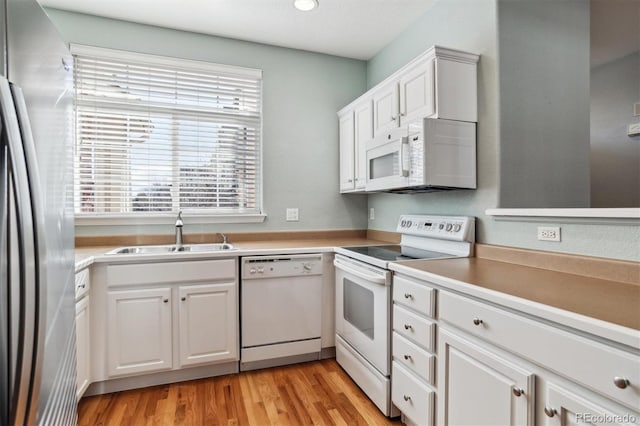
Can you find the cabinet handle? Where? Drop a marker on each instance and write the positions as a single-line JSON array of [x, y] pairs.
[[183, 298], [394, 118], [408, 296], [517, 391], [477, 321], [407, 398], [82, 286], [550, 412], [407, 357], [166, 300], [350, 180], [402, 114], [408, 327], [621, 382]]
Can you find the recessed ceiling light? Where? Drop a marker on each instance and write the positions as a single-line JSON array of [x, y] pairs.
[[305, 5]]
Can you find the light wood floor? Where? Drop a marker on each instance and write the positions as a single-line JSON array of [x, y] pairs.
[[318, 393]]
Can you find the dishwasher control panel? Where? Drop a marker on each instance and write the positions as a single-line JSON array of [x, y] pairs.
[[256, 267]]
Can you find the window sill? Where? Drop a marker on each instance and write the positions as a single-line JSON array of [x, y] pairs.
[[167, 219]]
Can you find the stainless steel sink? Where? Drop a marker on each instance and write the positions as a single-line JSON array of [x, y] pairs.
[[172, 249]]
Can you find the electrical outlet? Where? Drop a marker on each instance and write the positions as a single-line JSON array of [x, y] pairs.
[[634, 129], [292, 214], [372, 213], [549, 233]]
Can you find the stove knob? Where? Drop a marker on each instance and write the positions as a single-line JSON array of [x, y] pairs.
[[456, 228], [441, 226], [409, 223], [403, 224], [449, 226]]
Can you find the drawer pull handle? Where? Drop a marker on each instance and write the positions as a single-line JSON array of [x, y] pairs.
[[550, 412], [408, 296], [518, 391], [477, 321], [82, 286], [183, 298], [407, 398], [621, 382], [408, 327], [407, 357], [166, 300]]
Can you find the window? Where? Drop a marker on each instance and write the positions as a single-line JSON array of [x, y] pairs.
[[156, 135]]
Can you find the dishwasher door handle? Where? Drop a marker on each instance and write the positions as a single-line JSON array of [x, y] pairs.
[[374, 279]]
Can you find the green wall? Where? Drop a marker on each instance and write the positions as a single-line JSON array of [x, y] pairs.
[[473, 25], [301, 93]]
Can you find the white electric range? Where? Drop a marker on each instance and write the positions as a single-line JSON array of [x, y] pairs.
[[363, 296]]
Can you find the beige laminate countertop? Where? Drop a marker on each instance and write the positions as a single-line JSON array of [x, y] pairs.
[[611, 301], [86, 255]]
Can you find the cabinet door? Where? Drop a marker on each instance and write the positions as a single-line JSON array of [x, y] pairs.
[[565, 408], [347, 153], [479, 387], [385, 108], [417, 96], [139, 331], [83, 348], [363, 114], [208, 323]]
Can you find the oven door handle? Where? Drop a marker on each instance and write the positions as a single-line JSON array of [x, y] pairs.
[[375, 279]]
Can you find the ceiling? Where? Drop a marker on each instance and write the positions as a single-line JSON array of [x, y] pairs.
[[351, 28]]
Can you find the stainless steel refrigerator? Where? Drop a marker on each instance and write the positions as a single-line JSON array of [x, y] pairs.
[[37, 313]]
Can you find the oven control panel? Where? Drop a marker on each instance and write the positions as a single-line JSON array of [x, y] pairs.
[[456, 228]]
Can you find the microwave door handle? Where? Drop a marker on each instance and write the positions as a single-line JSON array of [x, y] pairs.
[[404, 157]]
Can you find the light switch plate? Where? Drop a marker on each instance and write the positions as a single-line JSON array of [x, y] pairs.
[[292, 214], [372, 213]]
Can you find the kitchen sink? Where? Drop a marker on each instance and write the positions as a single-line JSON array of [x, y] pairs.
[[172, 249]]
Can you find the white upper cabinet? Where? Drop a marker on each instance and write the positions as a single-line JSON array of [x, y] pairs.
[[363, 114], [440, 83], [347, 152], [417, 98], [385, 108]]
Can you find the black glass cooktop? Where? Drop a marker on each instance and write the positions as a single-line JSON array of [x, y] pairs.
[[393, 252]]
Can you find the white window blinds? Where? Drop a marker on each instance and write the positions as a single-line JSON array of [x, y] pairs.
[[160, 135]]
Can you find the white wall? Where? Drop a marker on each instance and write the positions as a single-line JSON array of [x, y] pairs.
[[301, 93]]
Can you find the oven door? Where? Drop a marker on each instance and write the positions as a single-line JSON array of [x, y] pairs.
[[363, 310], [388, 161]]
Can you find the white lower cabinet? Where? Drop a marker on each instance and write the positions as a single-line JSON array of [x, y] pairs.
[[83, 332], [569, 408], [496, 366], [165, 316], [208, 324], [479, 387], [83, 346], [139, 334]]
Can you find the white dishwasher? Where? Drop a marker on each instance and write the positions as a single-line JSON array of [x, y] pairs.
[[280, 310]]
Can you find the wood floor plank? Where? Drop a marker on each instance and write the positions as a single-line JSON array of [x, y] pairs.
[[318, 393]]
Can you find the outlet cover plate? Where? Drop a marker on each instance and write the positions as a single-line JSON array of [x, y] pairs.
[[549, 233], [292, 214]]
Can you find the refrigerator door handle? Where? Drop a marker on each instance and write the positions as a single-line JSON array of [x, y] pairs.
[[20, 404], [40, 249]]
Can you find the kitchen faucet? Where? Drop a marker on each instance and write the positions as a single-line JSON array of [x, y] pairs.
[[224, 237], [179, 225]]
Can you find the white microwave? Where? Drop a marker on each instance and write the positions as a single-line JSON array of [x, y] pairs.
[[427, 155]]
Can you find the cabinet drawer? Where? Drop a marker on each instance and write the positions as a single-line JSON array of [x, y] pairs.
[[171, 272], [82, 283], [413, 357], [412, 397], [414, 295], [419, 330], [584, 360]]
